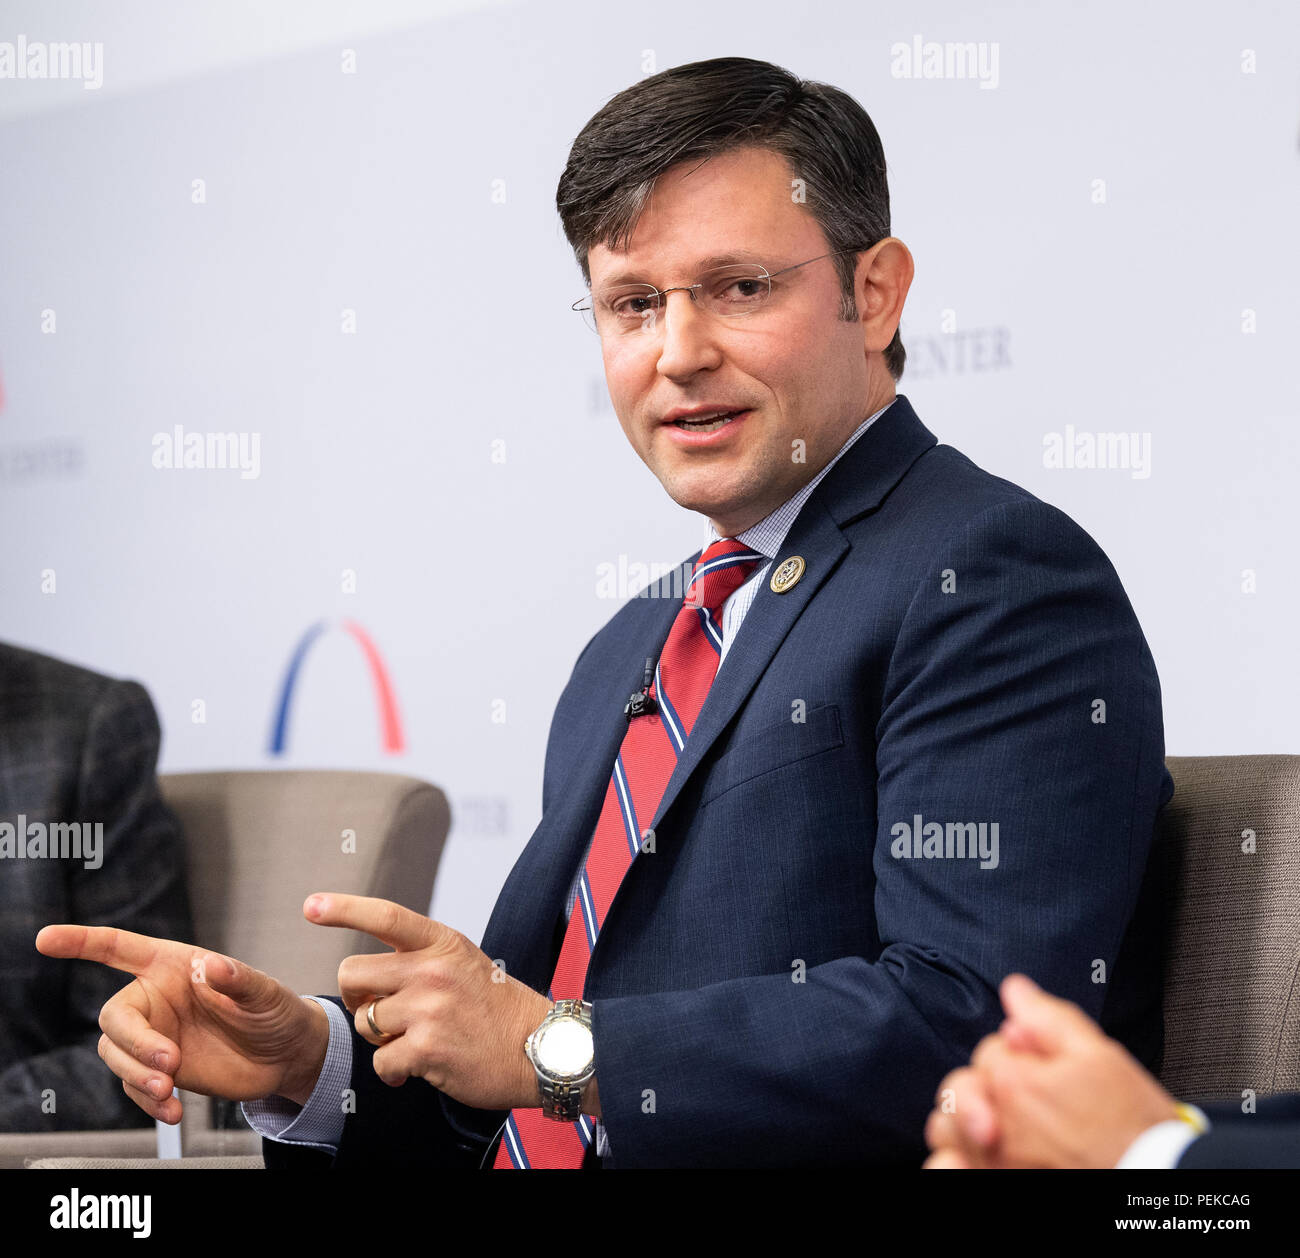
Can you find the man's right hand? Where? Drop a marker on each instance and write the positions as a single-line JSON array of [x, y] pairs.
[[196, 1020]]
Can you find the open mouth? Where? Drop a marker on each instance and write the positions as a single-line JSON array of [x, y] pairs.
[[706, 425]]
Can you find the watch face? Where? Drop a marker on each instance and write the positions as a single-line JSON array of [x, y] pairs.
[[565, 1048]]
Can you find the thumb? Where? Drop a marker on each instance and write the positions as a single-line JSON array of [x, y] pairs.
[[244, 985], [1040, 1021]]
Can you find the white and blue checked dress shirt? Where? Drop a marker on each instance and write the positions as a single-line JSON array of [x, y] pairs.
[[320, 1122]]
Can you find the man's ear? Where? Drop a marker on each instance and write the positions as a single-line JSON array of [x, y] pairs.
[[880, 283]]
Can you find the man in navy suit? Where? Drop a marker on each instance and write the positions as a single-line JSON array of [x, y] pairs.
[[932, 752]]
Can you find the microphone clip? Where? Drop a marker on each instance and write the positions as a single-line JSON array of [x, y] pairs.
[[642, 702]]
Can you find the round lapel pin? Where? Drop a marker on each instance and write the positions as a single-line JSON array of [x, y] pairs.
[[787, 575]]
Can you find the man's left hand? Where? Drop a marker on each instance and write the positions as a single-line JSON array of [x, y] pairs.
[[448, 1014]]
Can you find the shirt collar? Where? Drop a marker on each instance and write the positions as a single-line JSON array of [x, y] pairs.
[[769, 533]]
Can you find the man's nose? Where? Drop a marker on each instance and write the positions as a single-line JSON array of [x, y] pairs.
[[688, 330]]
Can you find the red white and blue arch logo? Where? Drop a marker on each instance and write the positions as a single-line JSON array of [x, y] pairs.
[[390, 723]]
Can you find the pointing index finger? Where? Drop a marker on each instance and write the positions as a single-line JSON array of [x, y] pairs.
[[400, 928], [120, 949]]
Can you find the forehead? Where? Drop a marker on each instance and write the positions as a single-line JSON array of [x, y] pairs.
[[736, 206]]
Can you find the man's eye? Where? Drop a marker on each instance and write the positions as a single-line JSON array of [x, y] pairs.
[[630, 307], [742, 292]]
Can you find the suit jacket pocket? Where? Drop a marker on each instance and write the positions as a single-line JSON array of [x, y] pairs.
[[774, 748]]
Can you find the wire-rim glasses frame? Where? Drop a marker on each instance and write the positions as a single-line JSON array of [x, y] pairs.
[[645, 320]]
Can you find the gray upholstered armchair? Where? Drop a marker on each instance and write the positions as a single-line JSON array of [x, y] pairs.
[[1231, 846]]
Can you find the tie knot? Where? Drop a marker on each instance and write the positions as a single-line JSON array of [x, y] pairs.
[[721, 570]]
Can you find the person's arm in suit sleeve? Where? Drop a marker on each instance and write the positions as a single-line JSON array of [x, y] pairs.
[[1270, 1137], [139, 885], [987, 716]]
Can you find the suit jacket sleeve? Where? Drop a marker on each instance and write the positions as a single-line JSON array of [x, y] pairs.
[[1268, 1138], [989, 714], [138, 886]]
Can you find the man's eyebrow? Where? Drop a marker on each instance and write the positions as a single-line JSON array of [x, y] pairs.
[[701, 264]]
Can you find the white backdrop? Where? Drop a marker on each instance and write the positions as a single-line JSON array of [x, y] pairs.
[[1105, 243]]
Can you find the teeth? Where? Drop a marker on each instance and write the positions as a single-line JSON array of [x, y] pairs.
[[704, 421]]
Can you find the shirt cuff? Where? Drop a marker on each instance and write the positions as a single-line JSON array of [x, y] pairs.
[[1160, 1147], [319, 1123]]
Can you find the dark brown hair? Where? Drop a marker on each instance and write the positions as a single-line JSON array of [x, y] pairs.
[[695, 111]]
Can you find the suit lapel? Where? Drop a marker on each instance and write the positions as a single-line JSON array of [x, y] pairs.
[[816, 538]]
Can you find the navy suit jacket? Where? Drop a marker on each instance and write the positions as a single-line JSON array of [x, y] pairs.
[[1270, 1137], [777, 983]]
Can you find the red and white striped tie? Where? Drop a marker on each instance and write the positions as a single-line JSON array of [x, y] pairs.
[[644, 763]]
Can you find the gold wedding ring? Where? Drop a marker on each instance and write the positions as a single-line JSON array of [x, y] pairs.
[[370, 1017]]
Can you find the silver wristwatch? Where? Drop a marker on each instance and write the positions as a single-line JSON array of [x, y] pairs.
[[563, 1053]]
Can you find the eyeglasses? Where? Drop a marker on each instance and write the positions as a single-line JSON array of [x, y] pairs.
[[730, 292]]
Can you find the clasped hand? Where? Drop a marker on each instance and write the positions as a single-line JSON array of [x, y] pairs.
[[1048, 1089]]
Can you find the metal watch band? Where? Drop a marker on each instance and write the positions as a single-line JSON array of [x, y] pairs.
[[580, 1009], [561, 1101]]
